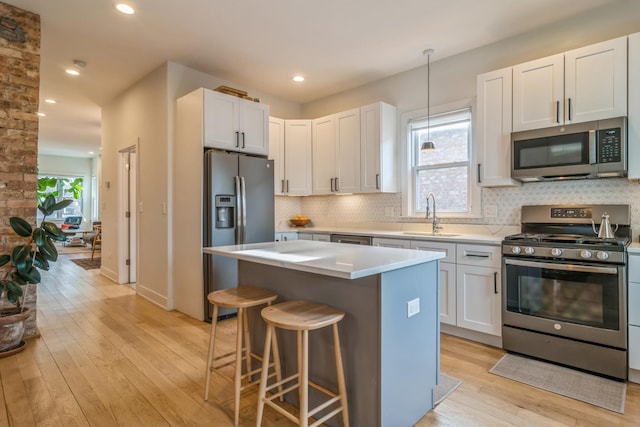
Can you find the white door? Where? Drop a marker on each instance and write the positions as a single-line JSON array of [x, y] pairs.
[[221, 121], [276, 153], [254, 127], [347, 127], [324, 155], [478, 300], [538, 93], [297, 157], [596, 81], [127, 262]]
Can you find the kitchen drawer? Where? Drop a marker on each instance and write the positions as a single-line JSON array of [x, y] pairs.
[[634, 268], [321, 237], [391, 243], [634, 303], [449, 249], [480, 255], [305, 236]]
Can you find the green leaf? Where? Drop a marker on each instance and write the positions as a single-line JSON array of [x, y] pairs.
[[39, 236], [20, 255], [41, 262], [4, 259], [48, 203], [61, 204], [53, 231], [14, 292], [20, 226], [31, 276], [49, 251]]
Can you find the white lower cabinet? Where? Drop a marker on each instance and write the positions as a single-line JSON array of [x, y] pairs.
[[391, 243], [634, 317], [286, 236], [447, 277], [478, 288]]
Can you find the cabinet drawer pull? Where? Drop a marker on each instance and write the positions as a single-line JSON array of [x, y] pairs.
[[495, 282], [477, 255]]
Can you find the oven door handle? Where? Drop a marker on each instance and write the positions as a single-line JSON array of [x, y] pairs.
[[563, 267]]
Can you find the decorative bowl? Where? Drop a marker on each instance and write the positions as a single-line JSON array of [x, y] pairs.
[[300, 222]]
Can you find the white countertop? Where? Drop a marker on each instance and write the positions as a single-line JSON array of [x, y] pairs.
[[330, 259], [453, 237]]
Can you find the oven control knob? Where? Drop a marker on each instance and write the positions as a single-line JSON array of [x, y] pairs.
[[603, 256], [529, 250], [556, 252], [516, 250], [585, 254]]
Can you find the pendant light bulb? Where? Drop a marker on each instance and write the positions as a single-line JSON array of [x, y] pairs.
[[428, 145]]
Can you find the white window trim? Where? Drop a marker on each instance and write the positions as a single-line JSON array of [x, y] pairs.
[[407, 182]]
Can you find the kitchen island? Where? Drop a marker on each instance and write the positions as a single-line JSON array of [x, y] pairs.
[[390, 334]]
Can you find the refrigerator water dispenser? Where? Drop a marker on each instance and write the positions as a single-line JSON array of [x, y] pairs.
[[225, 205]]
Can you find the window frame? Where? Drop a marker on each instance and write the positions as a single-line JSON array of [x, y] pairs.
[[59, 215], [409, 174]]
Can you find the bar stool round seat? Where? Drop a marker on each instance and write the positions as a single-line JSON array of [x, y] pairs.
[[302, 317], [242, 298]]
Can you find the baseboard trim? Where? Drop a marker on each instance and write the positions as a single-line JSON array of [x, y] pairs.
[[468, 334]]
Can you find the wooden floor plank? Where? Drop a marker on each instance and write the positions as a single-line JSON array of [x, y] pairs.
[[107, 357]]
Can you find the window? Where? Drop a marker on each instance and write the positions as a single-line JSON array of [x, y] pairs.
[[62, 187], [446, 171]]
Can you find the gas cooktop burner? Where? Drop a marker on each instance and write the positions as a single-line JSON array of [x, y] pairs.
[[567, 238]]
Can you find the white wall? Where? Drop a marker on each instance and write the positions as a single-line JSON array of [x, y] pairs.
[[453, 79], [74, 166], [144, 115]]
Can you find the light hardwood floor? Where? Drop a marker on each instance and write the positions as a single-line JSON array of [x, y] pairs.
[[107, 357]]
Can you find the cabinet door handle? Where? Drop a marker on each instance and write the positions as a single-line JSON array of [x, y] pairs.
[[377, 181], [242, 139], [557, 111], [287, 186], [282, 185], [570, 112], [331, 184], [337, 185], [237, 139], [495, 282], [479, 171]]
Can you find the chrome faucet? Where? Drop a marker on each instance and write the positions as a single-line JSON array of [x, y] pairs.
[[436, 225]]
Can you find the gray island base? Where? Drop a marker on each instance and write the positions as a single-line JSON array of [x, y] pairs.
[[391, 356]]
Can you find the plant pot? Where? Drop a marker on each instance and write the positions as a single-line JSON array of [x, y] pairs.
[[12, 323]]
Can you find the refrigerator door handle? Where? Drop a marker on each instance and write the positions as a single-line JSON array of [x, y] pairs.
[[238, 210], [244, 211]]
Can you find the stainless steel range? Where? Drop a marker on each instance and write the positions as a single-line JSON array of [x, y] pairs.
[[565, 289]]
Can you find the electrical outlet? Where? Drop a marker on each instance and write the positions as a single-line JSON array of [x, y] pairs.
[[413, 307]]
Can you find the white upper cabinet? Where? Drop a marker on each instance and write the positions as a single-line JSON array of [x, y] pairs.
[[235, 124], [378, 148], [494, 129], [290, 150], [324, 155], [347, 126], [633, 136], [297, 157], [584, 84], [276, 153]]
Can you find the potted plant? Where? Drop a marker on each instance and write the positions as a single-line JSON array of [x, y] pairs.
[[20, 267]]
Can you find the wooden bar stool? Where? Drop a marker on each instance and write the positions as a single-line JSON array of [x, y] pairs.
[[241, 298], [302, 316]]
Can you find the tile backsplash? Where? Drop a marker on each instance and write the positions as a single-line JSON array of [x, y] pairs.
[[507, 201]]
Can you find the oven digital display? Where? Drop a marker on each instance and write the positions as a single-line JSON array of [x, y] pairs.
[[571, 213]]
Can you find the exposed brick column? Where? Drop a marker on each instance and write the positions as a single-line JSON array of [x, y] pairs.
[[19, 91]]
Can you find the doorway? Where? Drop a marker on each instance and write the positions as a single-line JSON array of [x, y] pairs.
[[127, 263]]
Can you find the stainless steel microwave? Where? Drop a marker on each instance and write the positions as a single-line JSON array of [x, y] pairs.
[[595, 149]]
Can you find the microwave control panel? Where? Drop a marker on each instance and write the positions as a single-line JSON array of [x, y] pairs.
[[609, 145]]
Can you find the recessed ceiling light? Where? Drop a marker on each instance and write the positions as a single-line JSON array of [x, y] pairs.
[[50, 101], [124, 8], [72, 72], [298, 79], [41, 114]]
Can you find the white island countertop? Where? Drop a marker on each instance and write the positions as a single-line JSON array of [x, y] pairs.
[[330, 259]]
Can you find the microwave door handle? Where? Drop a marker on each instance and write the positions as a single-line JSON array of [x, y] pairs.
[[592, 147]]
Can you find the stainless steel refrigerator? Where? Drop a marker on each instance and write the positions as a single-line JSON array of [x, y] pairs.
[[238, 209]]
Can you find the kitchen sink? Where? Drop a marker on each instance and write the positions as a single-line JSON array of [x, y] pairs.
[[430, 234]]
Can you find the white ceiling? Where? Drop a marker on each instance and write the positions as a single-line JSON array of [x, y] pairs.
[[335, 44]]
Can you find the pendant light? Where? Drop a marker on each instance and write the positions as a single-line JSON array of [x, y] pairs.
[[428, 145]]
